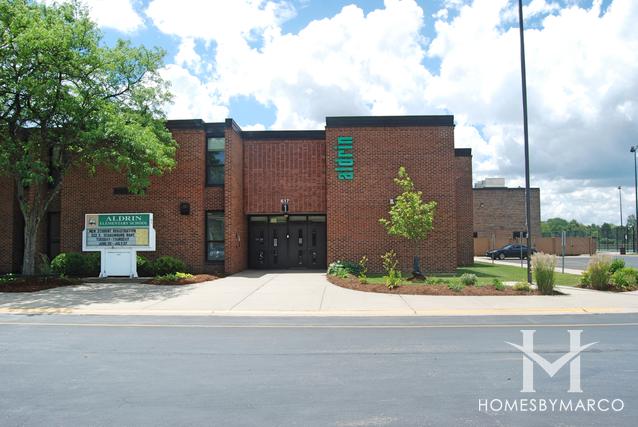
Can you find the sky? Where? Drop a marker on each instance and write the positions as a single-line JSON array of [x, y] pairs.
[[287, 64]]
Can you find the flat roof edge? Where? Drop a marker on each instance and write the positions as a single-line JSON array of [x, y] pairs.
[[389, 121], [463, 152], [283, 134]]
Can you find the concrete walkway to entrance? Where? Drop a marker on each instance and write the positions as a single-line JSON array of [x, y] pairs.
[[286, 293]]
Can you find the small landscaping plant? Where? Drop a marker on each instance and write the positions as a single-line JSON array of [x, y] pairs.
[[543, 266], [498, 285], [343, 268], [144, 267], [598, 275], [625, 279], [469, 279], [616, 264], [363, 270], [167, 265], [173, 277], [522, 287], [393, 274], [456, 286]]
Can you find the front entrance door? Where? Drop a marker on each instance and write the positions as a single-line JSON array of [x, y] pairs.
[[295, 241]]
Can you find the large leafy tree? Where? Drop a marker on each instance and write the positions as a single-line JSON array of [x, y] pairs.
[[410, 217], [67, 99]]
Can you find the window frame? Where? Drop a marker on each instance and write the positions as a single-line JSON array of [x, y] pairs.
[[206, 152], [206, 241]]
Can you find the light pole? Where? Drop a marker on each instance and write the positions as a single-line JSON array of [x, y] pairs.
[[634, 149], [528, 209], [622, 246]]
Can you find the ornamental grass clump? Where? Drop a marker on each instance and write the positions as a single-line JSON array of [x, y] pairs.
[[543, 266], [598, 272]]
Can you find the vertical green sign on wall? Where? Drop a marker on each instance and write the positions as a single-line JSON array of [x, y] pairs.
[[345, 159]]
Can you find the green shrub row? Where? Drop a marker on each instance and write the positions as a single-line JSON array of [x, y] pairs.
[[603, 272], [77, 264]]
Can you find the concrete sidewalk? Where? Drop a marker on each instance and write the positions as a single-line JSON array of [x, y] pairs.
[[285, 293]]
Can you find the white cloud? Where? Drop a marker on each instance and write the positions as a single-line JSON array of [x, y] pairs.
[[351, 63], [117, 14], [192, 98], [187, 56], [218, 20]]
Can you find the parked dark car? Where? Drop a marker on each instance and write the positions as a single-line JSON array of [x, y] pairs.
[[510, 251]]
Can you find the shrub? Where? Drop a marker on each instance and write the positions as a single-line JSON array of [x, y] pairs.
[[616, 265], [173, 277], [393, 274], [456, 286], [543, 266], [343, 268], [624, 278], [144, 267], [498, 285], [469, 279], [598, 271], [337, 269], [585, 280], [167, 265], [363, 269], [522, 287], [76, 264]]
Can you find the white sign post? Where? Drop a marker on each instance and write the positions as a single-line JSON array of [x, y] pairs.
[[118, 237]]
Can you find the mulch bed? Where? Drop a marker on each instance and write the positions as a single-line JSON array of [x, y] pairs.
[[36, 283], [426, 289], [198, 278]]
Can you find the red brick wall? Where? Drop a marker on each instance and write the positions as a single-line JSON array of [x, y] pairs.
[[464, 212], [500, 211], [291, 169], [178, 235], [354, 207], [235, 223]]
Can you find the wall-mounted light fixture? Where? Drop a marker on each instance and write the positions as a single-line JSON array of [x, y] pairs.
[[184, 208]]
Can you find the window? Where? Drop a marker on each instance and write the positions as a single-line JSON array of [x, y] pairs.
[[214, 236], [215, 161]]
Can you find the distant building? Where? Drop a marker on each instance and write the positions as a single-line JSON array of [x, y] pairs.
[[499, 211]]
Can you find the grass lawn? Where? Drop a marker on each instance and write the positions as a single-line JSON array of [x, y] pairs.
[[485, 272]]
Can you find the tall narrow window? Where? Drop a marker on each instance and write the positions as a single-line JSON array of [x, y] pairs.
[[214, 236], [215, 161]]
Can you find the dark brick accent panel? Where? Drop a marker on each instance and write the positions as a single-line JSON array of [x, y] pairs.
[[292, 169], [464, 212], [354, 207]]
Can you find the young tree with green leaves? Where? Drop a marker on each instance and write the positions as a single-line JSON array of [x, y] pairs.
[[66, 99], [410, 217]]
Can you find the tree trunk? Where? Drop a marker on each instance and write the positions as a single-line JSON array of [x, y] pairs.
[[416, 264], [30, 244]]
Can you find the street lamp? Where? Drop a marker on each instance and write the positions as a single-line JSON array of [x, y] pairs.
[[528, 209], [622, 246], [634, 149]]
